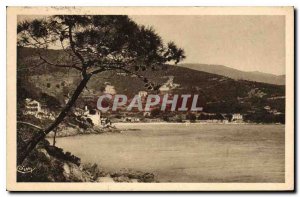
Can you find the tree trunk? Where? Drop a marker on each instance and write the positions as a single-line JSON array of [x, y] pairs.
[[41, 135]]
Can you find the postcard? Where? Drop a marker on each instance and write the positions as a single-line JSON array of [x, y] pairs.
[[150, 98]]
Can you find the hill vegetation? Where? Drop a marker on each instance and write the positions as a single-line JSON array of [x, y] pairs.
[[217, 93]]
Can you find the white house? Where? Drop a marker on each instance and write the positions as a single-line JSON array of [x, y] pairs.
[[122, 74], [147, 114], [169, 85], [237, 117], [94, 115], [96, 118], [164, 89], [109, 89], [32, 106]]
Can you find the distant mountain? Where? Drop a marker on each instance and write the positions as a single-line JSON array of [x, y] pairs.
[[238, 74]]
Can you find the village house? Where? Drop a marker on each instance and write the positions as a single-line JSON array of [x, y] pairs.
[[131, 119], [164, 89], [109, 89], [147, 114], [237, 117], [33, 107], [94, 115], [169, 85], [122, 74]]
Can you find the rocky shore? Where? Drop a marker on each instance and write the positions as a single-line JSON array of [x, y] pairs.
[[93, 173], [66, 131], [51, 164]]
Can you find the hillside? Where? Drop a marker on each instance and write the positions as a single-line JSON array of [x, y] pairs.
[[237, 74], [217, 93]]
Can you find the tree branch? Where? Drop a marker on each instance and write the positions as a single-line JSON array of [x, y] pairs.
[[60, 65], [72, 44], [29, 124], [111, 67]]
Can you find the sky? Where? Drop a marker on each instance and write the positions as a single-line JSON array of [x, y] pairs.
[[248, 43]]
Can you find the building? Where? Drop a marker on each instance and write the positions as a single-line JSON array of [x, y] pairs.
[[147, 114], [122, 74], [32, 106], [164, 89], [169, 85], [109, 89], [94, 115], [237, 117]]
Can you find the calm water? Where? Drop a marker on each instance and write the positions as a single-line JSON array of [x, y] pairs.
[[188, 153]]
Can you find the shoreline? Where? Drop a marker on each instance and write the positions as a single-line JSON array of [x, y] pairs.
[[187, 123], [118, 127]]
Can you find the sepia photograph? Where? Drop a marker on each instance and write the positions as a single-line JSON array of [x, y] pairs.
[[150, 99]]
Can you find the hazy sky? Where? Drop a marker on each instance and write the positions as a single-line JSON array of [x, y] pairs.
[[249, 43]]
